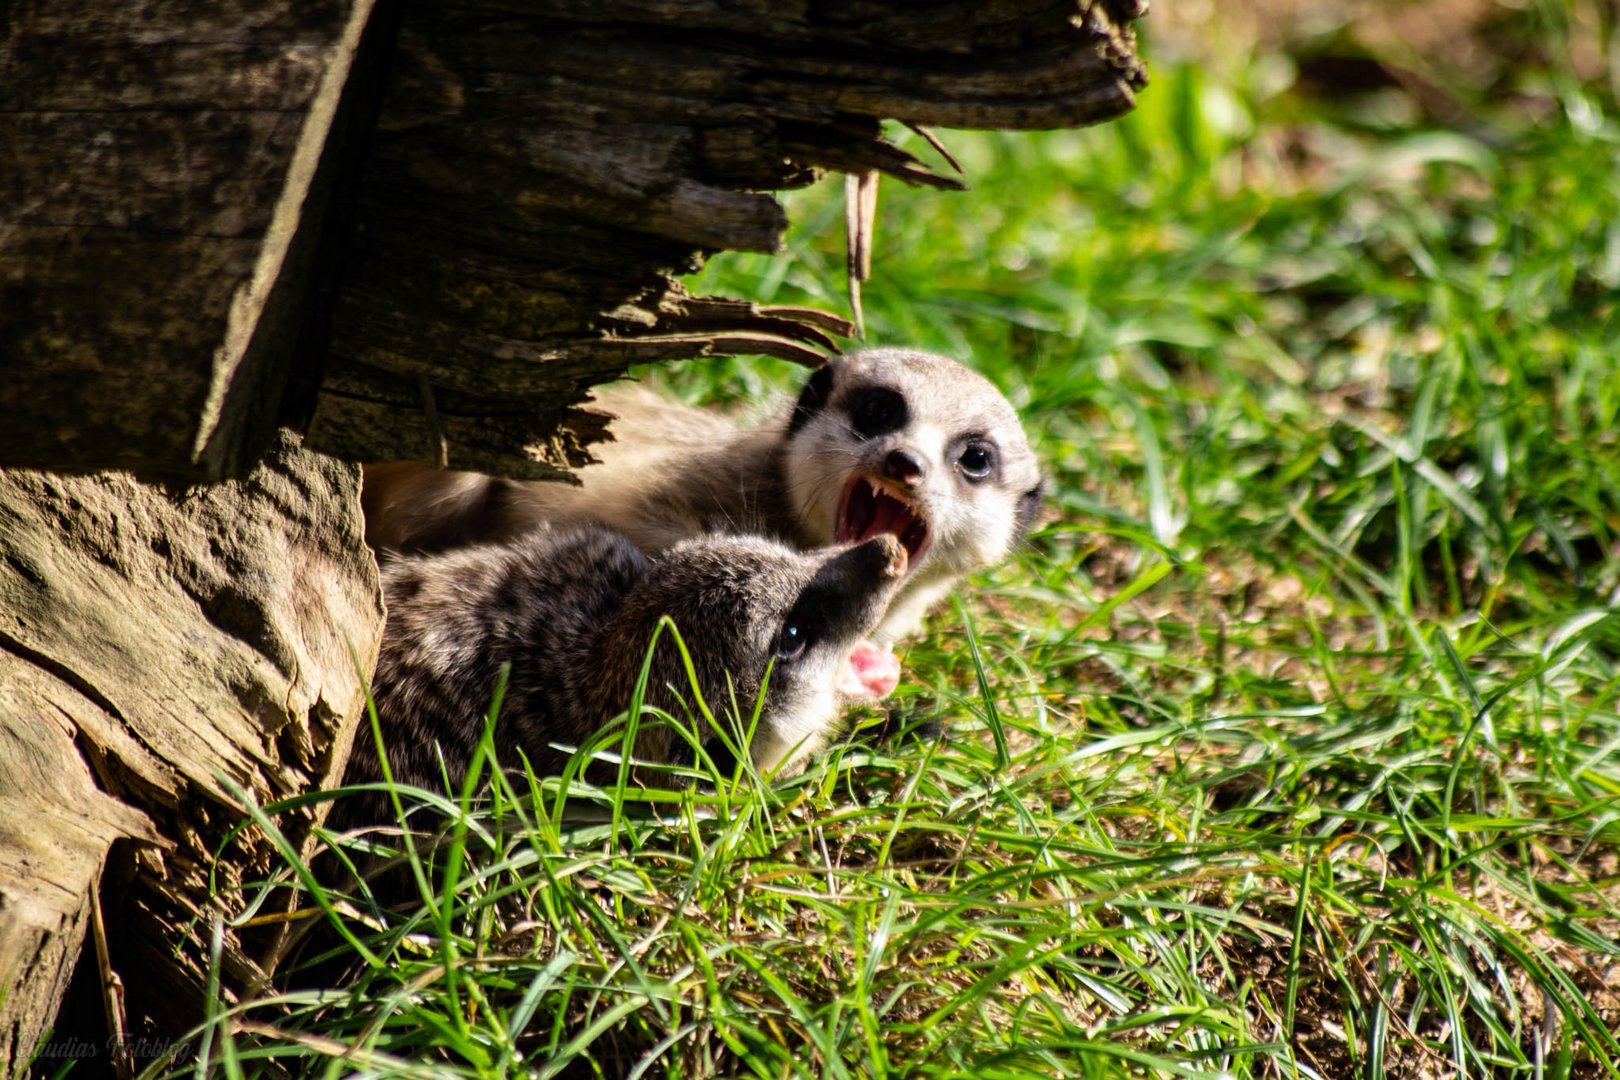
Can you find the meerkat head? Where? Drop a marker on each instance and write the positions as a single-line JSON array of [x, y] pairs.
[[747, 606], [914, 445]]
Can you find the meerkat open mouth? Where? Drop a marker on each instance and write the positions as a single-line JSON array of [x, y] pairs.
[[868, 510]]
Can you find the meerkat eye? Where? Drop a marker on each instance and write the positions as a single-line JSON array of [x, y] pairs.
[[976, 460], [878, 411], [793, 640]]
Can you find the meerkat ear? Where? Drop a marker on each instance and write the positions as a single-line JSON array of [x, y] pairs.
[[812, 399], [1029, 508]]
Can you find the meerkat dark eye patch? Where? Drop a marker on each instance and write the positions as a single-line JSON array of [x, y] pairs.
[[878, 410], [812, 399]]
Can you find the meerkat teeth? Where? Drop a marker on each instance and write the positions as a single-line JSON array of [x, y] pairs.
[[868, 511]]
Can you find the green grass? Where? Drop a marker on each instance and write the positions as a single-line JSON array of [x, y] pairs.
[[1290, 746]]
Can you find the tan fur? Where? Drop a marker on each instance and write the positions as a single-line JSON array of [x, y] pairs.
[[671, 472]]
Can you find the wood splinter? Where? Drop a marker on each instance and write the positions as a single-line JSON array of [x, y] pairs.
[[860, 214]]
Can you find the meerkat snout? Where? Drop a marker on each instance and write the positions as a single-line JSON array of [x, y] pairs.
[[801, 624], [903, 467]]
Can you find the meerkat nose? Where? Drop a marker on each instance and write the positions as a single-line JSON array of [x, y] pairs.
[[903, 466]]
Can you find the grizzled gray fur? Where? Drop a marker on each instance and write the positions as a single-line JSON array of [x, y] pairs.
[[572, 612]]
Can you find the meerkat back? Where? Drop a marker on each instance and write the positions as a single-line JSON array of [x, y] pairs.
[[655, 480]]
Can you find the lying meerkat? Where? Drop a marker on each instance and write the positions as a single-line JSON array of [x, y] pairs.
[[882, 441], [572, 611]]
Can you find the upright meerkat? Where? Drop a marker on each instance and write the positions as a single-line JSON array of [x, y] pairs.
[[882, 441], [572, 611]]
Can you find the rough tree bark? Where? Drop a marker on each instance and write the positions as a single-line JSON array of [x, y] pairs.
[[156, 643], [163, 199], [405, 231], [165, 186], [544, 171]]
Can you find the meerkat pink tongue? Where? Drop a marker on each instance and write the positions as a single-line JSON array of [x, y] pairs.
[[869, 673]]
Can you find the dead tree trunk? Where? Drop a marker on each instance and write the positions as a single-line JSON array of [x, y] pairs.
[[156, 645], [165, 191], [403, 231], [543, 172]]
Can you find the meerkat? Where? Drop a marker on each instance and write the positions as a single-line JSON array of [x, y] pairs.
[[881, 441], [572, 612]]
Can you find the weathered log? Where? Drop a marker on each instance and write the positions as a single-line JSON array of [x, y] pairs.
[[154, 643], [176, 194], [164, 189], [542, 173]]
